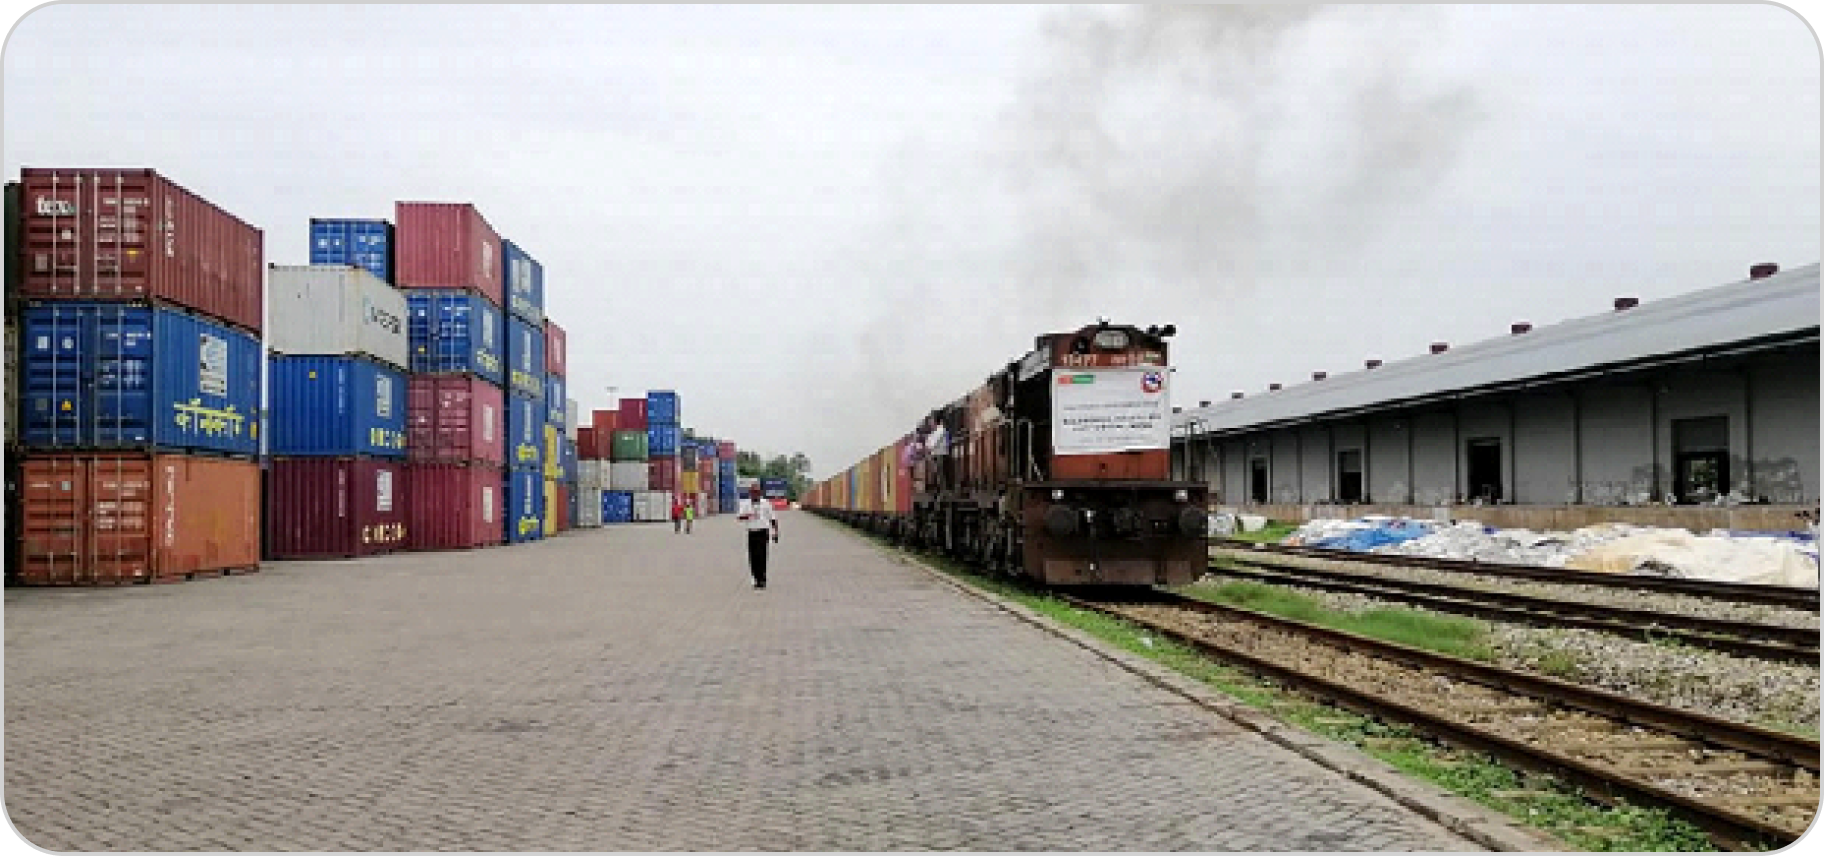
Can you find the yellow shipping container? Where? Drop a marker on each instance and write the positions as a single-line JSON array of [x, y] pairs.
[[687, 483], [550, 507], [554, 460]]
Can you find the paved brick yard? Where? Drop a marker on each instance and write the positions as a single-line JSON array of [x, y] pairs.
[[624, 689]]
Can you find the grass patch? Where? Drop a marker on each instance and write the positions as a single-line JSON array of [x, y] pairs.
[[1537, 801], [1274, 533], [1445, 634]]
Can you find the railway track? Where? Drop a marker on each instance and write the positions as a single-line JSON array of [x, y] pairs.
[[1742, 638], [1786, 596], [1748, 787]]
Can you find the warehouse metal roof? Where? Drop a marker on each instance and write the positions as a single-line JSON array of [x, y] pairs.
[[1783, 306]]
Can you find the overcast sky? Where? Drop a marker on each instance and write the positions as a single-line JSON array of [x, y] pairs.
[[817, 224]]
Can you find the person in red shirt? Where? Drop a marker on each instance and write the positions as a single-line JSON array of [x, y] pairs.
[[677, 514]]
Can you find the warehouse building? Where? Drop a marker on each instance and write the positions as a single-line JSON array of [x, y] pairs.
[[1650, 413]]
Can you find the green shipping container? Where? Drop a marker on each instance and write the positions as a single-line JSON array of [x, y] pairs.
[[628, 446]]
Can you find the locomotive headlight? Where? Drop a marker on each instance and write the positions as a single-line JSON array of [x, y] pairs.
[[1113, 340], [1057, 496], [1181, 495]]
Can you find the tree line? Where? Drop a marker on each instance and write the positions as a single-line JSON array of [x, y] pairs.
[[795, 469]]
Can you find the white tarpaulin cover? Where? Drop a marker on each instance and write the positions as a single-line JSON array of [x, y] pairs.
[[1764, 558], [1678, 553], [1096, 411]]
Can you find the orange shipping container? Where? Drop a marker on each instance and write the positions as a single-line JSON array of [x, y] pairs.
[[112, 518]]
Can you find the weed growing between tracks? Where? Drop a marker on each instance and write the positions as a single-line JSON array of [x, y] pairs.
[[1274, 533], [1458, 637], [1536, 800]]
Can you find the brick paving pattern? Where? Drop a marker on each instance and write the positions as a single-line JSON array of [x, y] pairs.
[[623, 689]]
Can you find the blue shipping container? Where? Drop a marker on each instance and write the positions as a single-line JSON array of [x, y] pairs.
[[125, 376], [567, 447], [525, 358], [337, 406], [554, 400], [454, 331], [662, 407], [661, 440], [525, 433], [617, 506], [575, 505], [525, 517], [368, 243], [524, 281]]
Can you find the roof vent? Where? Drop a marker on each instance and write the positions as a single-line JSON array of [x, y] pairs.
[[1439, 347], [1763, 270], [1521, 327], [1319, 375], [1626, 303], [1373, 364], [1236, 395], [1204, 403], [1272, 387]]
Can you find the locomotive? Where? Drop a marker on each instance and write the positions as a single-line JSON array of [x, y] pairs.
[[1057, 468]]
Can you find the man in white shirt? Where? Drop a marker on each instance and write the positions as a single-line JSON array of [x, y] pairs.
[[757, 513]]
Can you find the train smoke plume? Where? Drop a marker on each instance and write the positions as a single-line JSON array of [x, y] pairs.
[[1159, 162]]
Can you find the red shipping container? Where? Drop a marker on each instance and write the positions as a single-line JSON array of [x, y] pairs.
[[112, 518], [902, 478], [632, 415], [334, 507], [456, 419], [662, 474], [453, 506], [605, 421], [446, 245], [554, 349], [563, 508], [725, 450], [132, 234]]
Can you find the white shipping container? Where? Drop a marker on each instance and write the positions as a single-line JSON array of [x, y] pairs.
[[656, 505], [592, 475], [571, 412], [588, 508], [627, 475], [331, 310]]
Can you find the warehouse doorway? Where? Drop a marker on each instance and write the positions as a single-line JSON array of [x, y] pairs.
[[1485, 470], [1257, 480], [1700, 458], [1349, 476]]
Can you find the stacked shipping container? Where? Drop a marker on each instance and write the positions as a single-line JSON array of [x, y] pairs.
[[136, 379], [138, 312], [449, 261], [532, 450], [663, 435], [339, 402]]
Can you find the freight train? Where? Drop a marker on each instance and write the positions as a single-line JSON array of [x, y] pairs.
[[1056, 469]]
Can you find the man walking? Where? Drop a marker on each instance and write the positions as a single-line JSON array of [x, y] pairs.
[[758, 514], [677, 514]]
